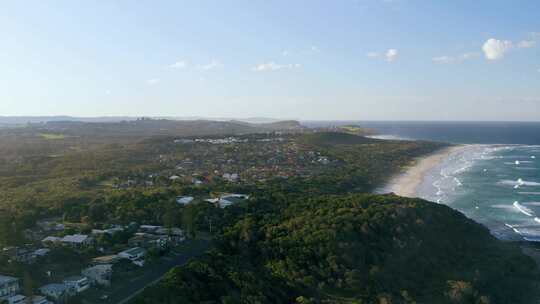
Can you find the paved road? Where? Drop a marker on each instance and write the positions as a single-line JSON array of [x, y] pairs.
[[154, 274]]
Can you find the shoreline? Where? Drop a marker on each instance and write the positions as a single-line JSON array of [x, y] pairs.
[[407, 183]]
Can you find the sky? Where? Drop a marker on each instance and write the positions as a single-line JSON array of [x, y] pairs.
[[293, 59]]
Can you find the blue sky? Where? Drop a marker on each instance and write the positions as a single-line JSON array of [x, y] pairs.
[[343, 59]]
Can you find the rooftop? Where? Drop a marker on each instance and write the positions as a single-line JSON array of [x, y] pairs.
[[134, 251], [7, 279], [54, 287], [75, 238], [75, 278]]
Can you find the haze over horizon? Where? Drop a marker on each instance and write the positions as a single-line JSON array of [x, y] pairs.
[[308, 60]]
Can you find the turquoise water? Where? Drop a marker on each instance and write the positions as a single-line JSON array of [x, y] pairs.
[[496, 185]]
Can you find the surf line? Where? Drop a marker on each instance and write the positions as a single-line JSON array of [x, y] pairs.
[[522, 209]]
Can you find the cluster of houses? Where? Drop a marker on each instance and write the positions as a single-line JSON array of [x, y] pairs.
[[98, 273], [10, 289], [214, 141], [234, 159], [257, 160]]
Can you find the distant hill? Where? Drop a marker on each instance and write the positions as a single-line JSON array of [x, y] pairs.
[[22, 120], [162, 127]]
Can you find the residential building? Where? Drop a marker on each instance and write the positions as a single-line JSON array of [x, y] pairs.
[[9, 286], [41, 252], [20, 299], [77, 240], [40, 300], [147, 240], [133, 253], [77, 284], [99, 274], [51, 241], [56, 291], [230, 199], [149, 228], [17, 299]]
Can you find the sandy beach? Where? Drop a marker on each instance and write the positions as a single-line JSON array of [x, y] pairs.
[[406, 184]]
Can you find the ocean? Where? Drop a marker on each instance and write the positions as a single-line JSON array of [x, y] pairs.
[[495, 180]]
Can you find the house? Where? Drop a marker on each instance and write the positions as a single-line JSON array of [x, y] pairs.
[[77, 240], [51, 241], [41, 252], [17, 299], [21, 255], [110, 231], [77, 284], [230, 199], [104, 260], [40, 300], [9, 286], [230, 177], [146, 240], [149, 228], [99, 274], [133, 253], [20, 299], [184, 200], [55, 291]]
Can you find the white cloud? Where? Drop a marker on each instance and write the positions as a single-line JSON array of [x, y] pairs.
[[152, 81], [443, 59], [373, 55], [391, 55], [525, 44], [453, 59], [495, 49], [178, 65], [284, 53], [214, 64], [272, 66], [315, 49]]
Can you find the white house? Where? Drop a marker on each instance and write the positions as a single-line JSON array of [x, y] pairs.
[[230, 199], [77, 284], [231, 177], [184, 200], [133, 253], [20, 299], [99, 274], [9, 286]]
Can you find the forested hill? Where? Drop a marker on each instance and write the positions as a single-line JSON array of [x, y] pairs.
[[160, 127], [353, 249]]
